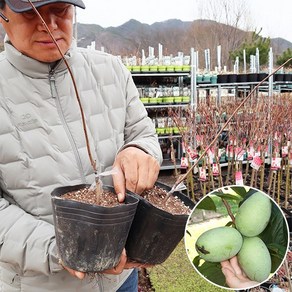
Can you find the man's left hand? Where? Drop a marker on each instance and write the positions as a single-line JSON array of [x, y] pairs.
[[136, 171]]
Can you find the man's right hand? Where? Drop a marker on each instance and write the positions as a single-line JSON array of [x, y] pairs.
[[123, 264]]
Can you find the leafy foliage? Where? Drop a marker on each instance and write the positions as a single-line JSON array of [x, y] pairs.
[[285, 57], [250, 47]]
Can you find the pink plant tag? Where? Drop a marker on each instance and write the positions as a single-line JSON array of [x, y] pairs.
[[202, 174], [183, 147], [211, 155], [192, 153], [256, 163], [184, 163], [239, 152], [229, 150], [238, 178], [215, 169], [285, 151], [276, 163], [250, 153]]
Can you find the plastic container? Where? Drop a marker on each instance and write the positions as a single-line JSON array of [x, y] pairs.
[[279, 77], [252, 77], [288, 77], [242, 78], [262, 76], [155, 233], [90, 238], [222, 78], [232, 78]]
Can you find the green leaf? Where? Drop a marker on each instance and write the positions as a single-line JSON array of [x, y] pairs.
[[275, 236], [240, 191], [212, 271], [196, 261], [276, 231], [207, 204], [229, 197], [277, 253]]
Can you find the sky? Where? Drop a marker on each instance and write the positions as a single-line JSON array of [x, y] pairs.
[[274, 17]]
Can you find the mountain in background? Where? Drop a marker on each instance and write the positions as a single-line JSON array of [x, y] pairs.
[[174, 35]]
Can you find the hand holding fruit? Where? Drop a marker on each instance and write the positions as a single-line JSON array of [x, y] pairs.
[[244, 257], [235, 277]]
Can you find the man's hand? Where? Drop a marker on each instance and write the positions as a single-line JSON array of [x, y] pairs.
[[122, 265], [235, 277], [77, 274], [136, 171]]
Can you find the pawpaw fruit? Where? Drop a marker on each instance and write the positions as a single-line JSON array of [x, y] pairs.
[[253, 215], [219, 244], [254, 258]]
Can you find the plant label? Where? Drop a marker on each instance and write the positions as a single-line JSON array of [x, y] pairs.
[[276, 163], [250, 153], [238, 178], [184, 163], [215, 169], [285, 151], [239, 153], [256, 163], [202, 174]]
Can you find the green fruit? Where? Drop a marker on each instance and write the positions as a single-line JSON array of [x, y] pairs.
[[219, 244], [253, 215], [254, 258]]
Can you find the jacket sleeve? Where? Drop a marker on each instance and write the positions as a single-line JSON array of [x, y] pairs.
[[139, 129], [25, 242]]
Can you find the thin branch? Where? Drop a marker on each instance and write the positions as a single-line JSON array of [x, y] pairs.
[[93, 163], [228, 210]]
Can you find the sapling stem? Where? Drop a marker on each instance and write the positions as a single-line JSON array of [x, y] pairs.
[[92, 161], [228, 208]]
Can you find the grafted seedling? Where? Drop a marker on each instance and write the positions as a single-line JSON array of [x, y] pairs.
[[92, 161]]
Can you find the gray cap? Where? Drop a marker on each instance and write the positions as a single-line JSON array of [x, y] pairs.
[[19, 6]]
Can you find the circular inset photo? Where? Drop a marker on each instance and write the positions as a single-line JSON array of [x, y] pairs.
[[236, 237]]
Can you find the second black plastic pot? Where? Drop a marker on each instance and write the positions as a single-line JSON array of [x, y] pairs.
[[155, 233], [90, 238], [241, 78], [222, 78]]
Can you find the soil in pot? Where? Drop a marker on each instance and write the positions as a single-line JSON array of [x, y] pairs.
[[157, 227], [87, 195], [91, 237], [156, 196]]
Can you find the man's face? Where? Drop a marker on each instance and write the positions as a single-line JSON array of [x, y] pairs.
[[28, 34]]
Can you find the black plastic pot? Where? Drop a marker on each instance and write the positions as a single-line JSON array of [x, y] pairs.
[[90, 238], [155, 233], [241, 78], [252, 77], [279, 77], [261, 76], [222, 78], [232, 78], [288, 77]]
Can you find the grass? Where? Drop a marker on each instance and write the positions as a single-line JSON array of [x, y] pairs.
[[177, 274]]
